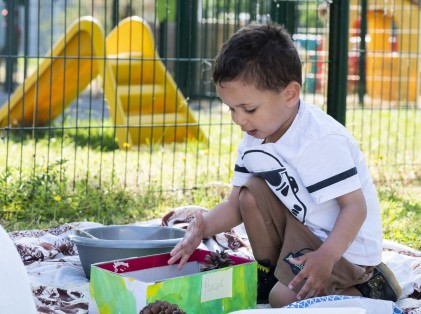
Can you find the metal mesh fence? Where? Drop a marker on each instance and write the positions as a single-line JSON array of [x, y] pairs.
[[384, 85], [95, 99]]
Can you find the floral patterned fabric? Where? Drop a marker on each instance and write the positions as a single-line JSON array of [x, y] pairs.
[[59, 284]]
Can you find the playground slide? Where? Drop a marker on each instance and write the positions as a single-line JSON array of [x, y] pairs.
[[59, 78], [141, 93], [145, 104]]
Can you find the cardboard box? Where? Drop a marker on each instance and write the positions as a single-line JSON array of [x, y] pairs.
[[126, 286]]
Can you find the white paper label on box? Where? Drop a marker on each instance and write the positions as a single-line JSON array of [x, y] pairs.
[[217, 285]]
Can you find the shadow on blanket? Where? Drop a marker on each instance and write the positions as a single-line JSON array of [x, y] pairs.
[[60, 286]]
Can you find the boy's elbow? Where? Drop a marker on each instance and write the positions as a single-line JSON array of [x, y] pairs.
[[361, 204], [363, 210]]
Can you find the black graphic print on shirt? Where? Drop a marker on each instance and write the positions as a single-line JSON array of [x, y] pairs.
[[269, 167]]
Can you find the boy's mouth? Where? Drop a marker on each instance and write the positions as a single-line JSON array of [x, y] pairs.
[[252, 132]]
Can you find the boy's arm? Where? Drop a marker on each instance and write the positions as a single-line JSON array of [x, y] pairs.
[[318, 265], [222, 217]]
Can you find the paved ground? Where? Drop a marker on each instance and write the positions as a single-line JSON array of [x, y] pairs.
[[81, 107], [93, 105]]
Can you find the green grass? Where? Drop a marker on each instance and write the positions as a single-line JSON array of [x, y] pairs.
[[390, 140], [62, 175], [401, 213]]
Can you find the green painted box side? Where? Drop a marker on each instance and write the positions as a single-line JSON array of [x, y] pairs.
[[114, 293], [111, 293], [186, 291]]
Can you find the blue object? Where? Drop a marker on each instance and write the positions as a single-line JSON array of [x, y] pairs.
[[308, 302]]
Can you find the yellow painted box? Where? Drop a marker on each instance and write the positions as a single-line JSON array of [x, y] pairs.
[[126, 286]]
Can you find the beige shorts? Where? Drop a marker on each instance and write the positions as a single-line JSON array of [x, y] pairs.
[[292, 238]]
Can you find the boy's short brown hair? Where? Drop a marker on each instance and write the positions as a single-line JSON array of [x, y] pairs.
[[262, 55]]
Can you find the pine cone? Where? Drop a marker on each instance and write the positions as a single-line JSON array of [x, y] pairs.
[[161, 307], [217, 260]]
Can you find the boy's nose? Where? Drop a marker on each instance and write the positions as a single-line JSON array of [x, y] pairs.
[[239, 118]]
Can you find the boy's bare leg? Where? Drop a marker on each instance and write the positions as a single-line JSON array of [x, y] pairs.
[[265, 249], [351, 291], [281, 295], [274, 233], [260, 241]]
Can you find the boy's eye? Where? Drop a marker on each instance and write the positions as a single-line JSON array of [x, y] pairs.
[[231, 109]]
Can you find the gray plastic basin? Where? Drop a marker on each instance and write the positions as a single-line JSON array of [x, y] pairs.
[[119, 242]]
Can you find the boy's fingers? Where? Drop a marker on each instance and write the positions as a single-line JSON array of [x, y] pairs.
[[175, 257], [310, 290], [300, 276], [198, 215], [188, 244], [176, 253], [304, 293], [298, 260], [179, 256], [183, 261], [296, 281], [311, 294]]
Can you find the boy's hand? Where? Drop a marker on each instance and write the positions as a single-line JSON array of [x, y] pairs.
[[317, 270], [191, 240]]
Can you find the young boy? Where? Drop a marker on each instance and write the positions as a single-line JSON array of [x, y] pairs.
[[301, 185]]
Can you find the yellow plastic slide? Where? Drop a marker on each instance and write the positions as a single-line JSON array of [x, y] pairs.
[[143, 91], [60, 77], [145, 104]]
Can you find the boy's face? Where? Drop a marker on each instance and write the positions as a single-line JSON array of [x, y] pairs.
[[262, 114]]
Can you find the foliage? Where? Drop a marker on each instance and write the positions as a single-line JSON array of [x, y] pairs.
[[43, 199], [309, 15], [67, 173], [98, 136], [401, 212]]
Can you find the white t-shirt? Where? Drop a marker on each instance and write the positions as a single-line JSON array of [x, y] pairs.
[[313, 163]]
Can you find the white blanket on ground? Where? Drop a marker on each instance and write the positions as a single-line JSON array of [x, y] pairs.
[[60, 286]]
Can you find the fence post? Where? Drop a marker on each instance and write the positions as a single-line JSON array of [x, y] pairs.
[[253, 10], [284, 13], [11, 47], [116, 12], [186, 34], [26, 39], [363, 53], [338, 59]]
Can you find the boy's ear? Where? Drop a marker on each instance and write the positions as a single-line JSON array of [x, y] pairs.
[[292, 93]]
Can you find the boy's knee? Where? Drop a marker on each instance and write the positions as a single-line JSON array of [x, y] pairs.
[[281, 295], [246, 199]]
